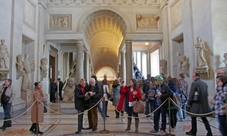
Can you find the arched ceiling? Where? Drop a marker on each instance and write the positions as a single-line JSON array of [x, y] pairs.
[[104, 31]]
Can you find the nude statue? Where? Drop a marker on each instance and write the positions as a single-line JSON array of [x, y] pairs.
[[225, 60], [4, 54], [28, 68], [43, 69], [184, 65], [201, 60], [163, 66], [20, 65], [69, 90], [179, 63]]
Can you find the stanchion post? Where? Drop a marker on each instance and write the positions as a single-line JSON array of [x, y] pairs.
[[104, 131], [36, 131]]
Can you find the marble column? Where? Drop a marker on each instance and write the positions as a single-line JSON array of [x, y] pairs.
[[79, 61], [123, 66], [129, 67], [86, 66], [165, 43]]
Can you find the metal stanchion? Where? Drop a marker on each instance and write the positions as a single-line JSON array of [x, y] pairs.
[[36, 118], [104, 131], [169, 119]]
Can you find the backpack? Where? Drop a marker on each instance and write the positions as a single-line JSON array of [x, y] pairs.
[[177, 99]]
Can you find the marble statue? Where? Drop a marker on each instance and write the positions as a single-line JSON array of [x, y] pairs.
[[184, 65], [43, 69], [28, 68], [163, 66], [179, 63], [201, 59], [225, 60], [69, 90], [20, 66], [4, 54]]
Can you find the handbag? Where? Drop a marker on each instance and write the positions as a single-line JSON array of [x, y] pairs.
[[196, 95], [138, 106], [5, 99]]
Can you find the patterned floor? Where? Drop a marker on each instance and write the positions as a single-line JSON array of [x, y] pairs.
[[66, 125]]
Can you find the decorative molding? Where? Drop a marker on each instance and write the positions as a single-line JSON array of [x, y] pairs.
[[52, 48], [105, 2], [176, 14], [43, 3], [29, 14], [60, 22], [147, 21]]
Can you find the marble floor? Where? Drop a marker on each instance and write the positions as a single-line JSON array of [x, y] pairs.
[[57, 124]]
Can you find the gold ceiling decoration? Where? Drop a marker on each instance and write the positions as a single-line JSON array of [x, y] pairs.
[[104, 31]]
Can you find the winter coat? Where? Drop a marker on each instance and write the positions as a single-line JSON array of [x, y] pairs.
[[202, 105], [37, 96], [116, 94]]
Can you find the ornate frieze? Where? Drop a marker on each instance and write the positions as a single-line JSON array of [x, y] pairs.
[[119, 2], [60, 21], [147, 21], [176, 14]]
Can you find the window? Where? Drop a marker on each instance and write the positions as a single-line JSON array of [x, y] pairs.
[[155, 63]]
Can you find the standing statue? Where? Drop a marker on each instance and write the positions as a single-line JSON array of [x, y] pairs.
[[225, 60], [4, 54], [179, 63], [28, 68], [184, 65], [163, 66], [43, 69], [20, 66], [201, 59], [69, 90]]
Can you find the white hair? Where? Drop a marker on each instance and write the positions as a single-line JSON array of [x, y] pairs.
[[92, 80]]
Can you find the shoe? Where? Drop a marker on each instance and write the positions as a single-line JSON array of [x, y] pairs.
[[162, 133], [209, 134], [9, 125], [88, 128], [77, 132], [94, 129], [153, 131], [3, 128], [190, 133], [107, 116]]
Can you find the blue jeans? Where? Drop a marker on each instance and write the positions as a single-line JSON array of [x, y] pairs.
[[151, 104], [163, 111], [7, 115], [100, 109], [223, 125]]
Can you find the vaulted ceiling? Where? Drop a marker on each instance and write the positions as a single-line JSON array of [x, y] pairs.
[[104, 31]]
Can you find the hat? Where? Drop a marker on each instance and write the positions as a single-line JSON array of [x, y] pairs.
[[159, 78]]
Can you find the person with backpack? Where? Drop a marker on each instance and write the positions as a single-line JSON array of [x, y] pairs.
[[146, 87], [173, 108]]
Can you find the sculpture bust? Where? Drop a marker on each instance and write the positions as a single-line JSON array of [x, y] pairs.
[[3, 54], [43, 69], [179, 63], [163, 66], [201, 59], [20, 65], [184, 65], [69, 90]]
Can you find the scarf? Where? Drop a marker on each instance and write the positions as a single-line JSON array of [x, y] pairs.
[[40, 91]]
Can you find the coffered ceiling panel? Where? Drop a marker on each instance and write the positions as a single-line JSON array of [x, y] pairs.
[[104, 31]]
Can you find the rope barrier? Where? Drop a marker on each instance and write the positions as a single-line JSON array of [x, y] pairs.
[[20, 114], [204, 114], [76, 113]]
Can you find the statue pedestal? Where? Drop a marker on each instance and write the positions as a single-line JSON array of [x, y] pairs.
[[67, 108], [3, 73], [203, 71], [27, 97]]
